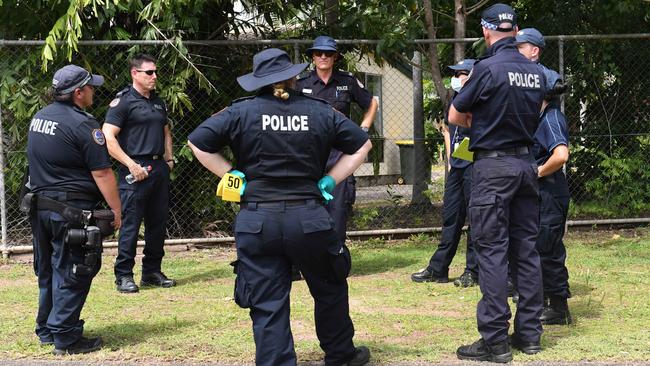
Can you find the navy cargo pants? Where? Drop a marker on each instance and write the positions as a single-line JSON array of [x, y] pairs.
[[504, 216], [454, 211], [270, 236], [553, 215], [149, 200], [62, 293], [344, 194]]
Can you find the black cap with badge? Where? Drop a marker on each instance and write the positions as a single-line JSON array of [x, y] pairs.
[[71, 77], [493, 17]]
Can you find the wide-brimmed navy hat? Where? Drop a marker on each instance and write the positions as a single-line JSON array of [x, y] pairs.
[[463, 65], [270, 66], [497, 14], [532, 36], [323, 43], [70, 77]]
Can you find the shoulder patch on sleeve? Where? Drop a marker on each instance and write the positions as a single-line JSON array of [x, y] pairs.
[[114, 102], [238, 100], [98, 136]]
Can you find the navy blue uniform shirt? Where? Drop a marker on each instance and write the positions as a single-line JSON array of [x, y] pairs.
[[504, 93], [552, 132], [141, 121], [340, 91], [65, 144], [281, 146]]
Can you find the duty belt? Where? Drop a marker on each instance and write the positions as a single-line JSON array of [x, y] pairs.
[[147, 157], [69, 213], [278, 204], [520, 150]]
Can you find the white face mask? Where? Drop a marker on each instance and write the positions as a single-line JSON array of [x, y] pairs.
[[456, 84]]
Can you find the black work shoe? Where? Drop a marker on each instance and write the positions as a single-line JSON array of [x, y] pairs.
[[529, 348], [361, 357], [552, 316], [480, 351], [157, 279], [426, 275], [126, 285], [83, 345], [467, 279], [47, 341]]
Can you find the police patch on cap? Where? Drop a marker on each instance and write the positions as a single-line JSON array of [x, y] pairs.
[[98, 136], [114, 102]]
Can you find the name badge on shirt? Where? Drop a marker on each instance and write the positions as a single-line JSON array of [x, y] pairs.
[[306, 91]]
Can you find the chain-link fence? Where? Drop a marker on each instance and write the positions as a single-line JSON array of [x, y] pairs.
[[607, 110]]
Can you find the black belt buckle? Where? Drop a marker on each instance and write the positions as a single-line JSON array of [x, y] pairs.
[[155, 157]]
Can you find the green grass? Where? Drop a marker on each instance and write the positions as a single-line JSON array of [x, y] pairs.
[[398, 319]]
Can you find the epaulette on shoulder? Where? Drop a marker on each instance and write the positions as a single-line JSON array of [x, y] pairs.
[[239, 100], [84, 113], [314, 98], [121, 92], [347, 73], [304, 75]]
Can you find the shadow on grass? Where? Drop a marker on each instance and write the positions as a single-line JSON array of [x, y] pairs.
[[134, 332], [214, 274]]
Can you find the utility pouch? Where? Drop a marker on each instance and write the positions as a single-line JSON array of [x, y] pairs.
[[28, 203], [103, 220]]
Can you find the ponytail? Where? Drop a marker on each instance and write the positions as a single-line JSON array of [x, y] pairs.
[[279, 90]]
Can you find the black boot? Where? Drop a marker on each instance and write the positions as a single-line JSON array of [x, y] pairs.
[[426, 275], [557, 312], [481, 351]]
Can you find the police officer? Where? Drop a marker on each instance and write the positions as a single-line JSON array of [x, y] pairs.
[[551, 152], [340, 89], [70, 171], [139, 137], [501, 101], [281, 140], [457, 191]]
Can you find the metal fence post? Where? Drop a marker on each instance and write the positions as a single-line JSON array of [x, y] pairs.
[[296, 53], [420, 172], [3, 203]]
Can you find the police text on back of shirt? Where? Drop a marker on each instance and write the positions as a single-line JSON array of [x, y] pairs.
[[43, 126], [524, 80], [285, 123]]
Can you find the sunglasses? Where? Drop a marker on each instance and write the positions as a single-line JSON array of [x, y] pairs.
[[327, 54], [148, 72]]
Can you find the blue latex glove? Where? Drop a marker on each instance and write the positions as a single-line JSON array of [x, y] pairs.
[[326, 186], [243, 179]]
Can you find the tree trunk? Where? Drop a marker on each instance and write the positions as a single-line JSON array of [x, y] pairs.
[[332, 15], [460, 16], [432, 51]]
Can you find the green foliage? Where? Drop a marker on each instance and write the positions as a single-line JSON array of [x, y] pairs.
[[623, 184], [364, 217]]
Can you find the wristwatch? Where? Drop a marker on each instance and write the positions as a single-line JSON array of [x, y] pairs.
[[365, 129]]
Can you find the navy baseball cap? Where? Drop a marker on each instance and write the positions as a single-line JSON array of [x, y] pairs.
[[270, 66], [70, 77], [463, 65], [497, 14], [323, 43], [532, 36]]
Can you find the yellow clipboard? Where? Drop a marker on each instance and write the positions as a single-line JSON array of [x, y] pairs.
[[462, 151]]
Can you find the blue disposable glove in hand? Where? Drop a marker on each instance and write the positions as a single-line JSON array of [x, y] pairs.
[[243, 179], [326, 186]]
